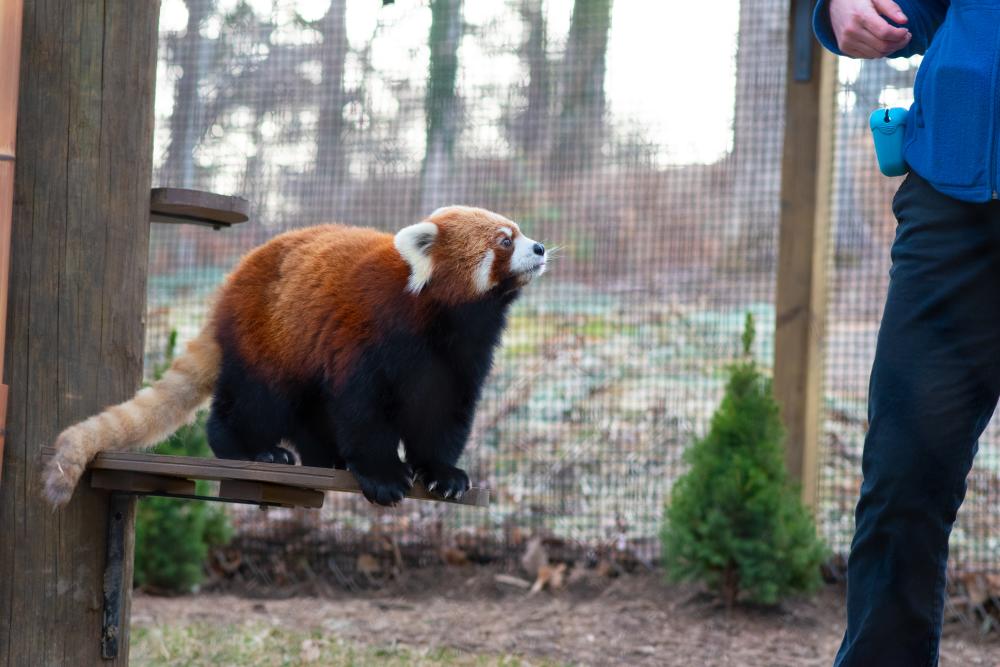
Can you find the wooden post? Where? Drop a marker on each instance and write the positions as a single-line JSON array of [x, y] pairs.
[[79, 251], [802, 256]]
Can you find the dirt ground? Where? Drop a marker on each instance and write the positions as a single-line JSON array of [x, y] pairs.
[[631, 620]]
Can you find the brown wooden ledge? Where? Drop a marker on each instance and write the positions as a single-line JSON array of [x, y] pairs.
[[194, 207], [240, 481]]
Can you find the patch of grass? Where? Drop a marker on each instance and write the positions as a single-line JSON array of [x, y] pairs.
[[260, 644]]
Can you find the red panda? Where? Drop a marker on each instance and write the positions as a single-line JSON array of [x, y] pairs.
[[343, 342]]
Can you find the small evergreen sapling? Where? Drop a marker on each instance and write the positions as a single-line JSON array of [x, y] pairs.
[[172, 537], [734, 521]]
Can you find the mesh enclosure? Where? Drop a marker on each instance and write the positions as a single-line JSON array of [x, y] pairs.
[[862, 231], [591, 124]]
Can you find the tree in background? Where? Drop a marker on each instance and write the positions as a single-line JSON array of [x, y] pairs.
[[758, 126], [192, 54], [330, 165], [529, 128], [734, 521], [580, 129], [441, 105]]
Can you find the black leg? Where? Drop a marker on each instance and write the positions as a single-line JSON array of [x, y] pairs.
[[222, 438], [372, 456], [443, 479], [434, 453], [369, 446]]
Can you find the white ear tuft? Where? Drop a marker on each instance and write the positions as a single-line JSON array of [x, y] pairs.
[[414, 244]]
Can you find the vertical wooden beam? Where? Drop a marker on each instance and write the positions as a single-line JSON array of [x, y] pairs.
[[79, 250], [802, 258]]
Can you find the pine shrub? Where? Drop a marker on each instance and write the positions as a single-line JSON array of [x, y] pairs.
[[734, 521], [172, 536]]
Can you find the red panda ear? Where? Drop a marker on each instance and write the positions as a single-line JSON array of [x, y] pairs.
[[414, 244]]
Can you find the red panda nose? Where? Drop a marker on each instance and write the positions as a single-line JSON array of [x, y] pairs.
[[538, 248]]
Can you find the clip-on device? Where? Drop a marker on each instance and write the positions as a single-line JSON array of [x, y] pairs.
[[888, 127]]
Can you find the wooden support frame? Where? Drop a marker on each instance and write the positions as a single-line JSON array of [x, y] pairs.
[[141, 483], [114, 574], [800, 317], [242, 481], [264, 493], [79, 251]]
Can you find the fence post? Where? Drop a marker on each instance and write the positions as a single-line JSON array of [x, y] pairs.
[[800, 306], [79, 253]]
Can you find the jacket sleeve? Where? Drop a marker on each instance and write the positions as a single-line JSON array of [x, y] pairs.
[[925, 16]]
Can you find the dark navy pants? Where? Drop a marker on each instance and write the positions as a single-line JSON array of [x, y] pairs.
[[934, 386]]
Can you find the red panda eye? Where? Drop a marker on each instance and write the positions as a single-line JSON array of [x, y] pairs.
[[505, 242]]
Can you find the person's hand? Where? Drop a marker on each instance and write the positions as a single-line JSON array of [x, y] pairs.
[[862, 30]]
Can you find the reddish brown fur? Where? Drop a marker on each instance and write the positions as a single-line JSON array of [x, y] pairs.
[[329, 289]]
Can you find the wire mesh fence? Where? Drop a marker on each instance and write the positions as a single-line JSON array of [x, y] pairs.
[[862, 231], [586, 122]]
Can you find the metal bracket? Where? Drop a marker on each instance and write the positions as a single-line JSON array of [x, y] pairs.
[[114, 573], [802, 40]]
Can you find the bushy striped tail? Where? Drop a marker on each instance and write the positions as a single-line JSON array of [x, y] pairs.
[[149, 417]]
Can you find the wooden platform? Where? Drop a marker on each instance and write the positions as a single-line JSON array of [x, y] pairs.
[[194, 207], [239, 481]]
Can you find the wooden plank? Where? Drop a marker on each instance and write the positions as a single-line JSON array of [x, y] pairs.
[[79, 249], [305, 477], [802, 262], [180, 205], [272, 494], [138, 482]]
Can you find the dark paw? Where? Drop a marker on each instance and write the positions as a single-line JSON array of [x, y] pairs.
[[444, 480], [385, 487], [276, 455]]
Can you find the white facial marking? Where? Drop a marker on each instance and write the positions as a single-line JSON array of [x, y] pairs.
[[414, 244], [482, 278], [506, 230]]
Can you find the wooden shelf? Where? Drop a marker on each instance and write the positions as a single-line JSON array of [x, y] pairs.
[[240, 481], [194, 207]]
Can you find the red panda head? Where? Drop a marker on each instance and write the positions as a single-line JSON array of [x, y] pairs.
[[460, 253]]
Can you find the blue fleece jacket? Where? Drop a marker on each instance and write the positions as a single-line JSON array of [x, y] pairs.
[[953, 127]]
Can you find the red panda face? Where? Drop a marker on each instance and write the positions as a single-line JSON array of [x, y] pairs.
[[460, 253]]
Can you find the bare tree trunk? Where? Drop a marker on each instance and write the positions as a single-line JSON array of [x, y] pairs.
[[581, 121], [187, 118], [330, 175], [757, 131], [729, 587], [441, 106], [531, 129]]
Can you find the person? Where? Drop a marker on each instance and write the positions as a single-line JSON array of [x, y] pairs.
[[936, 375]]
